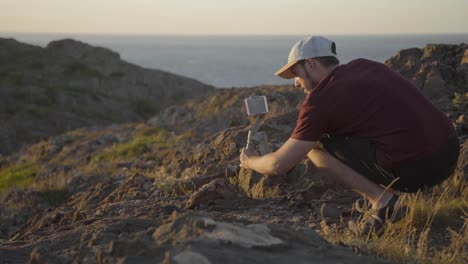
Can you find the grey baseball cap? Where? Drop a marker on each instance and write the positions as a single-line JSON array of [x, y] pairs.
[[310, 47]]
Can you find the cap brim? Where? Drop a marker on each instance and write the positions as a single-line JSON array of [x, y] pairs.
[[285, 72]]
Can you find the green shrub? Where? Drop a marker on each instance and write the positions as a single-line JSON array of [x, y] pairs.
[[136, 147], [18, 175], [460, 100]]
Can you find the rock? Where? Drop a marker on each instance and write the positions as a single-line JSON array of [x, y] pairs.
[[245, 236], [212, 240], [462, 73], [434, 86], [443, 53], [461, 125], [192, 185], [407, 61], [171, 116], [134, 188], [465, 57], [188, 227], [437, 69], [219, 190], [260, 186], [40, 255], [145, 165], [190, 257], [80, 182]]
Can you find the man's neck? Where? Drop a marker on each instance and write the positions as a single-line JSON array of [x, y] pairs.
[[328, 70]]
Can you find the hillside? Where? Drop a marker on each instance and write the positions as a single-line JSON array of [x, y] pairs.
[[170, 190], [70, 84]]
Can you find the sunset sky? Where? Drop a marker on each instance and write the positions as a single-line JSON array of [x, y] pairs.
[[214, 17]]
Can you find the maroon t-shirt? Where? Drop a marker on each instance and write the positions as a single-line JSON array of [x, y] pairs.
[[367, 99]]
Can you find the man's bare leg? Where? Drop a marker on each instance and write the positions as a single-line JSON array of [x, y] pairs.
[[340, 172]]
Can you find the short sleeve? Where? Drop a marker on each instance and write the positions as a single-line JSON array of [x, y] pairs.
[[312, 121]]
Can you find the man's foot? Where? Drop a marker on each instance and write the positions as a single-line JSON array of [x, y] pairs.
[[362, 205], [376, 218]]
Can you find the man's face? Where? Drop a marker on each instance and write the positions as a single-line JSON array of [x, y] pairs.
[[304, 75]]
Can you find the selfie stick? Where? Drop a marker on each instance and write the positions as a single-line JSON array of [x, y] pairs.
[[252, 131], [256, 106]]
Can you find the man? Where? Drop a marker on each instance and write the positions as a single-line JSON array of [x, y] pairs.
[[364, 125]]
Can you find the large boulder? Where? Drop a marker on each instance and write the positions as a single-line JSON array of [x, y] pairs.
[[439, 70]]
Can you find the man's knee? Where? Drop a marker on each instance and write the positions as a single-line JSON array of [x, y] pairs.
[[318, 155]]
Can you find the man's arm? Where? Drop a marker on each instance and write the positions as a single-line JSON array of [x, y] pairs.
[[279, 162]]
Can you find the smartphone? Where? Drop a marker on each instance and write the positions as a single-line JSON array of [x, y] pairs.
[[255, 105]]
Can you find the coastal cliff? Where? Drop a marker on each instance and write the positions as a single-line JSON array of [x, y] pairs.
[[170, 190], [70, 84]]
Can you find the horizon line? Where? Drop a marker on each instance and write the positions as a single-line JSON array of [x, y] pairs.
[[227, 35]]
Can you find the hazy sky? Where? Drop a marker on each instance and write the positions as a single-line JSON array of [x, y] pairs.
[[234, 16]]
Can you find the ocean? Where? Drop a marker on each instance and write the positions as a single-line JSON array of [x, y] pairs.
[[237, 61]]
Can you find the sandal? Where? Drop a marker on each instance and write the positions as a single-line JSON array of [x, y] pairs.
[[362, 205], [377, 219]]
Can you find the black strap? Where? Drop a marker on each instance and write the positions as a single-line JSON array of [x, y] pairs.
[[387, 211]]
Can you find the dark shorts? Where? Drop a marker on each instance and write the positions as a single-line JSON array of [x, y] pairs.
[[359, 154]]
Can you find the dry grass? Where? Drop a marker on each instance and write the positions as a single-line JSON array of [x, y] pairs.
[[435, 231]]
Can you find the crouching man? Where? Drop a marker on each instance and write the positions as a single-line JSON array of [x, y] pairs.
[[365, 125]]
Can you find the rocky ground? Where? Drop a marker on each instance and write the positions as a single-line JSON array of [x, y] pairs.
[[170, 190]]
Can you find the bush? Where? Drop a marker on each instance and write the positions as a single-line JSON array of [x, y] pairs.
[[18, 175], [139, 145], [460, 100]]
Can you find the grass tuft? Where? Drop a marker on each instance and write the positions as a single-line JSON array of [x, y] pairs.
[[18, 175], [435, 231], [142, 143], [460, 100]]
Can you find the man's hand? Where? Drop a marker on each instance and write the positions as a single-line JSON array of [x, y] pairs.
[[244, 157], [279, 162]]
